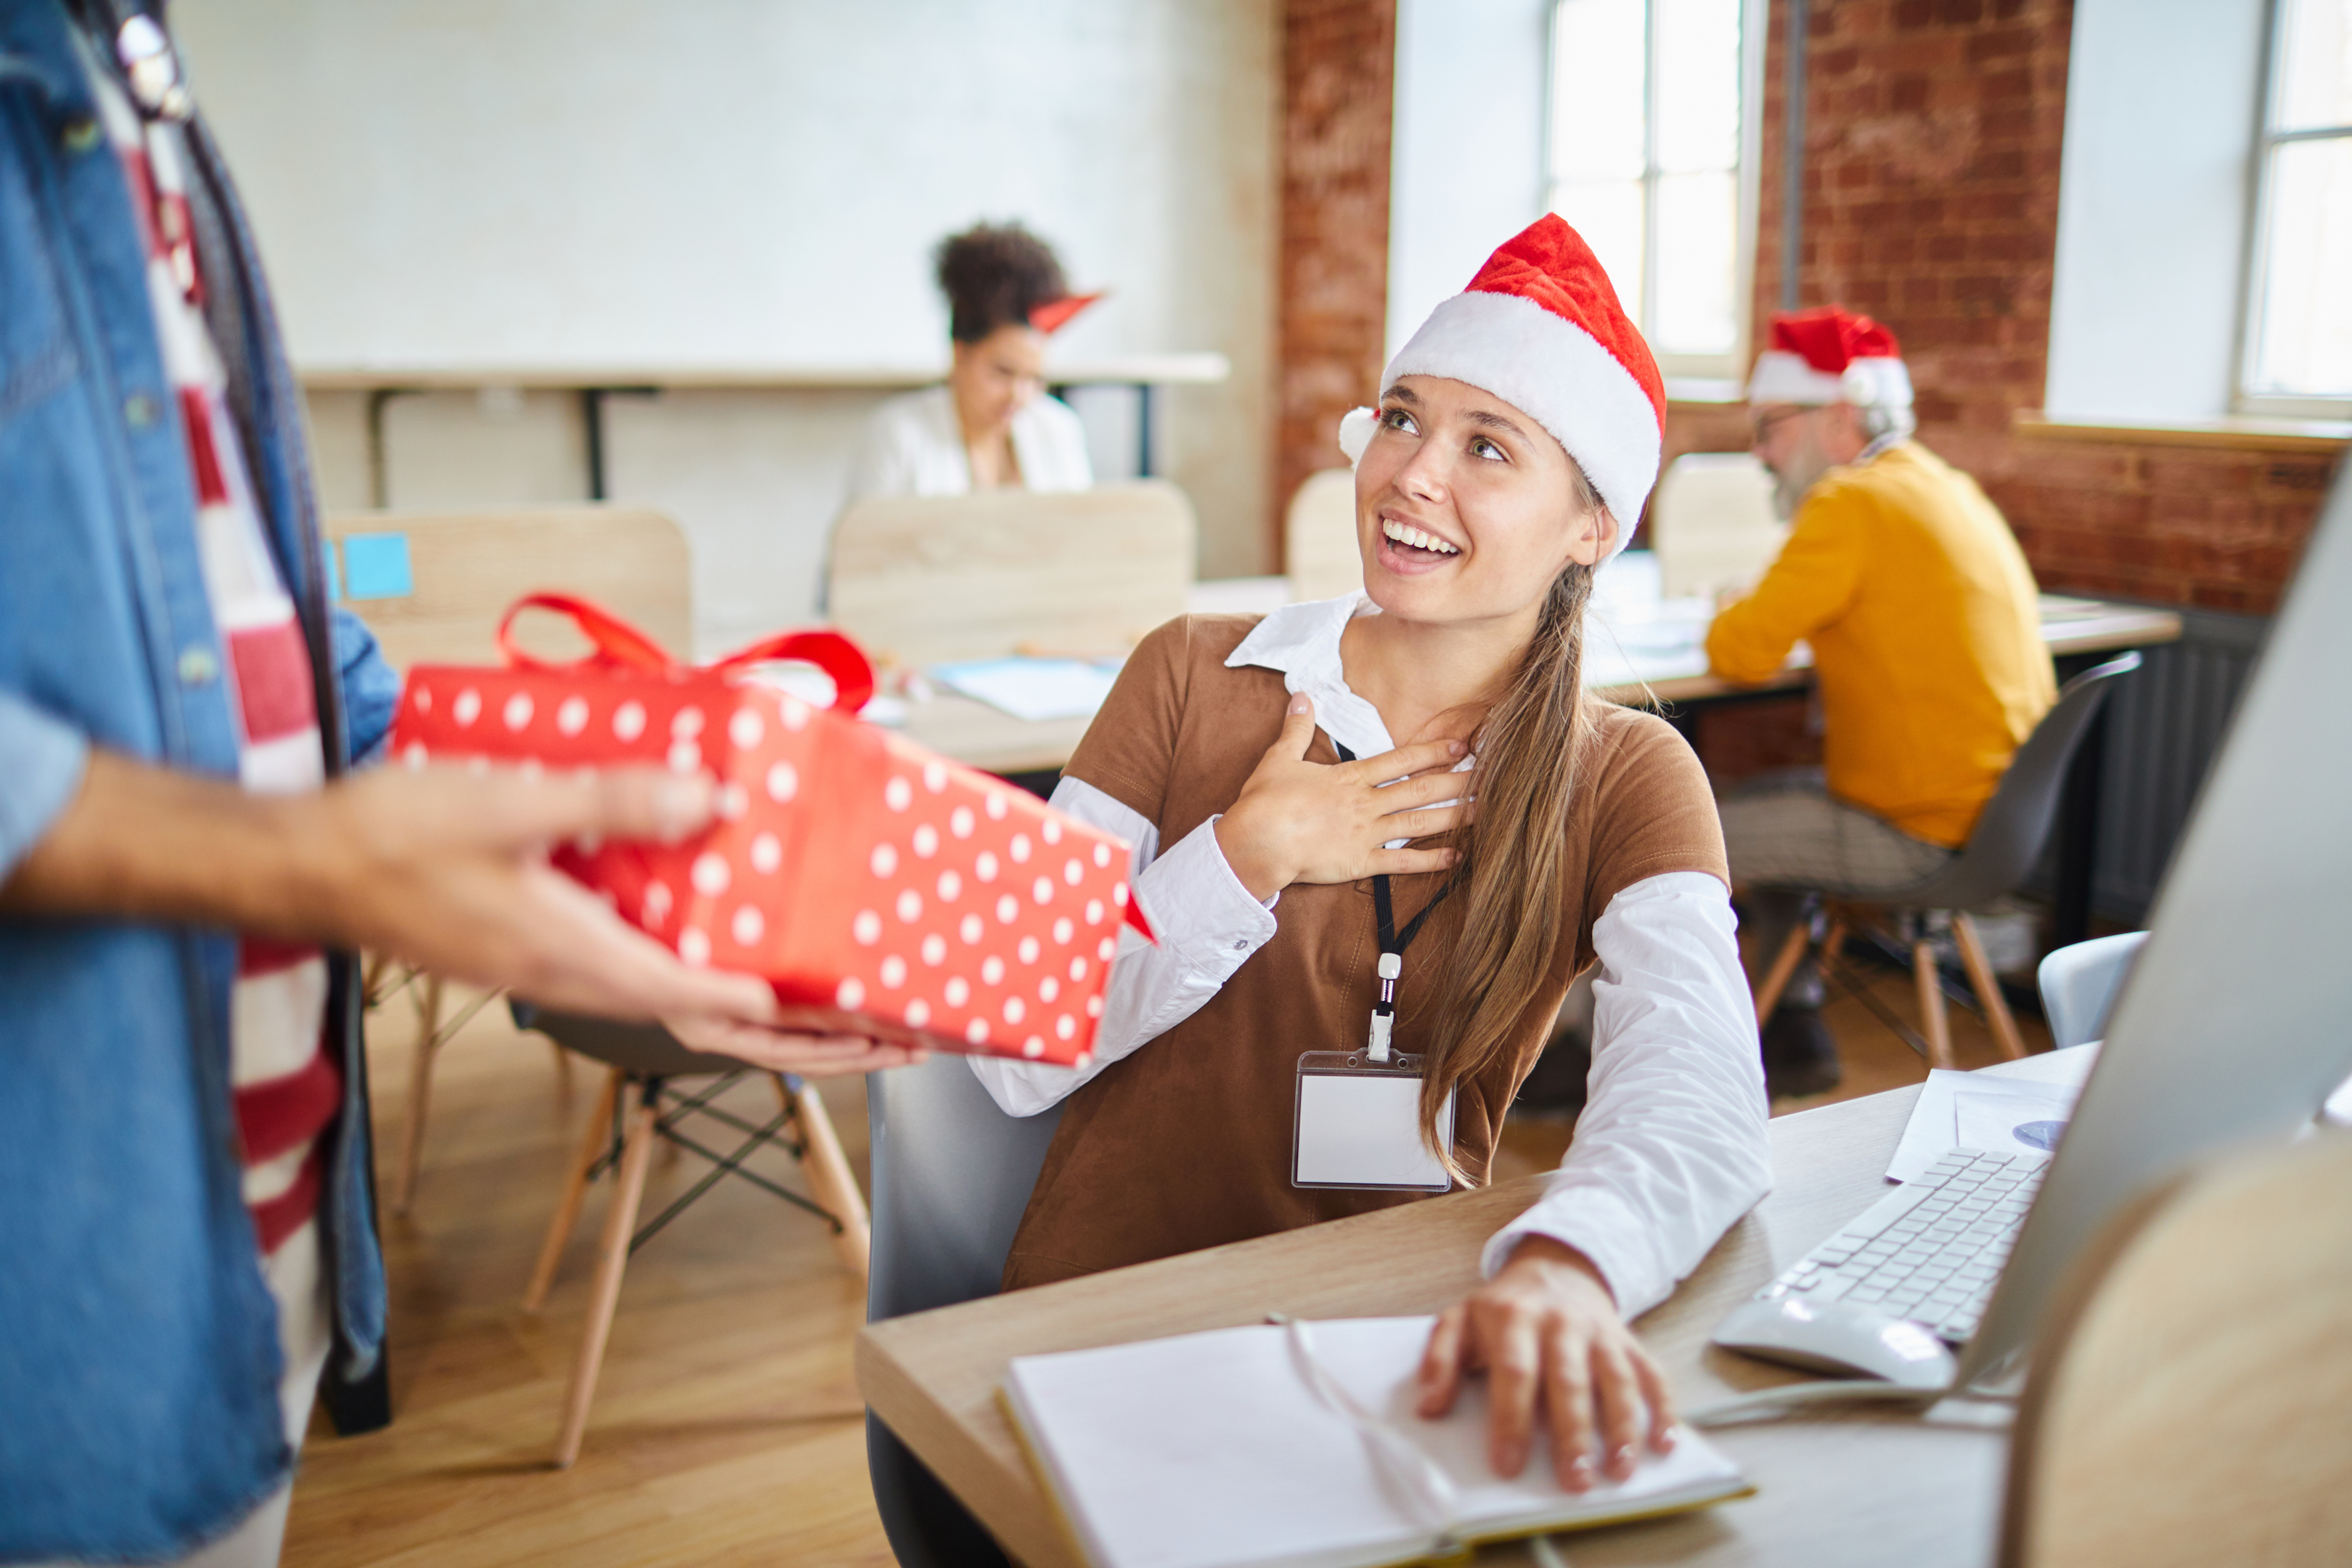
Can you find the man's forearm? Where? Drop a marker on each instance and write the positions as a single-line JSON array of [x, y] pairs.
[[141, 842]]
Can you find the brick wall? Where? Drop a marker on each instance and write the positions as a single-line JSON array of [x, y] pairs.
[[1932, 137], [1337, 71]]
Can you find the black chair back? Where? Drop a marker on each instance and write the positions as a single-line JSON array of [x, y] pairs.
[[2016, 822]]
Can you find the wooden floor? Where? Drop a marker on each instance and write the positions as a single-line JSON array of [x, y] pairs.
[[727, 1428]]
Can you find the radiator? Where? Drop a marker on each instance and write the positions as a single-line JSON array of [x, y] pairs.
[[2165, 726]]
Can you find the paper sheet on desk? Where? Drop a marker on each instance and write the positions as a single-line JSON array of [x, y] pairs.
[[1032, 688], [1978, 1110]]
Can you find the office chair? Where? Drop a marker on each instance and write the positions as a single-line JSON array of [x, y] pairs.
[[2079, 985], [465, 569], [640, 1105], [2008, 838], [2187, 1397], [951, 1177]]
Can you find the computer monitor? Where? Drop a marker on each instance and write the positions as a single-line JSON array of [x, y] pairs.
[[2236, 1020]]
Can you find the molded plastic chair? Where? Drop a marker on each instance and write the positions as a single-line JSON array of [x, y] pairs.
[[2187, 1401], [465, 568], [1318, 535], [951, 1177], [637, 1107], [2079, 985], [2008, 838]]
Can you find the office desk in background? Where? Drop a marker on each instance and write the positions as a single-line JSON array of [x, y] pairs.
[[1853, 1486], [1633, 663], [1145, 374]]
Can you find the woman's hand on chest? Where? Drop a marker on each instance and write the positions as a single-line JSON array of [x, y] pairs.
[[1298, 821]]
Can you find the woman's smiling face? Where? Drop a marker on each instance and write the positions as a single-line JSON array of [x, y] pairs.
[[1466, 507]]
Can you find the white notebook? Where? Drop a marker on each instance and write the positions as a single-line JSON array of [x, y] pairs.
[[1216, 1450]]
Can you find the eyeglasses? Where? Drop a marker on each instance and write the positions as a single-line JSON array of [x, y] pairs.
[[1764, 427]]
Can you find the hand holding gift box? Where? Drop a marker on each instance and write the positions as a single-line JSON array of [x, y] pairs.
[[880, 889]]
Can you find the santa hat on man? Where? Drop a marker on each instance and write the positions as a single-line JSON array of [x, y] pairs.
[[1540, 328], [1830, 355]]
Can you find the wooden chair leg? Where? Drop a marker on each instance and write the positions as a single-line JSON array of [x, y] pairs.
[[1784, 965], [575, 1192], [831, 1180], [1833, 941], [1988, 984], [1932, 1021], [605, 1294], [420, 1093]]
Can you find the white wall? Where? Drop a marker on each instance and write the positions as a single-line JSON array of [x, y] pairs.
[[1466, 160], [2155, 187], [593, 184]]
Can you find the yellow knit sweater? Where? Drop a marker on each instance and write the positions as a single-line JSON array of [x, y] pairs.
[[1927, 640]]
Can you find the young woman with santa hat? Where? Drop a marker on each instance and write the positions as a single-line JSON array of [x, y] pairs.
[[1379, 837]]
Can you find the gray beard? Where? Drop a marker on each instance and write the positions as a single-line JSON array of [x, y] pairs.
[[1787, 493]]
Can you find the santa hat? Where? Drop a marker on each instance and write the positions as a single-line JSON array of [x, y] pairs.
[[1540, 328], [1830, 355], [1054, 314]]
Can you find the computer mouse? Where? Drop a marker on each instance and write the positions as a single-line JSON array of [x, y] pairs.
[[1839, 1337]]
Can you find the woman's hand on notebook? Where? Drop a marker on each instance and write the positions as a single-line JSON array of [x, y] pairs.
[[1298, 821], [1546, 1333]]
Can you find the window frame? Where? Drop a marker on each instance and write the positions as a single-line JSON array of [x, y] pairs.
[[2245, 397], [1700, 377]]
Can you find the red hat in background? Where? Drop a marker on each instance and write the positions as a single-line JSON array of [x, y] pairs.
[[1830, 355], [1540, 328], [1054, 314]]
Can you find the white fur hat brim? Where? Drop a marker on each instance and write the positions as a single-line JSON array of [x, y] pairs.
[[1876, 381], [1551, 370]]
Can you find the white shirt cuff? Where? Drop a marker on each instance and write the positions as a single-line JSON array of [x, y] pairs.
[[1672, 1146]]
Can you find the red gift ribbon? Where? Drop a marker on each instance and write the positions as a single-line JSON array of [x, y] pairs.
[[621, 646]]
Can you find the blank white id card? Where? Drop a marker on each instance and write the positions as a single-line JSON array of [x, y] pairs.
[[1358, 1125]]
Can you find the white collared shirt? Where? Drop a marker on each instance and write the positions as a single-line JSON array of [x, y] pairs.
[[1671, 1148], [914, 446]]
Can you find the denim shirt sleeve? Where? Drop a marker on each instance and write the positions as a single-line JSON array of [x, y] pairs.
[[371, 687], [41, 763]]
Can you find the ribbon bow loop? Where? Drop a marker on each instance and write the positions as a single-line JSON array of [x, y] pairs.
[[619, 645]]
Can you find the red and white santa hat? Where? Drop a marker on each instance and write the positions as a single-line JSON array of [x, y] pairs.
[[1540, 328], [1830, 355]]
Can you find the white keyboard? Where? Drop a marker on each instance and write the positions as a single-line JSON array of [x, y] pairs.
[[1931, 1249]]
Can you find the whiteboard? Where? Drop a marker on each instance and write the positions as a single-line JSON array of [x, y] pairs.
[[755, 184]]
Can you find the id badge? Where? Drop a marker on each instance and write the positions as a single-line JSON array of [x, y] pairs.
[[1358, 1125]]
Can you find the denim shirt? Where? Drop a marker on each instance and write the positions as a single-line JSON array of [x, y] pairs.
[[139, 1355]]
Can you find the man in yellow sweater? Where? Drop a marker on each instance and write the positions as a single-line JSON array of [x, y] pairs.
[[1920, 610]]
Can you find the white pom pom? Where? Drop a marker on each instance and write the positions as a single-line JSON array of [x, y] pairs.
[[1356, 428]]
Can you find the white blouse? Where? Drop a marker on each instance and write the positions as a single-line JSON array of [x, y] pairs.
[[1671, 1148], [914, 446]]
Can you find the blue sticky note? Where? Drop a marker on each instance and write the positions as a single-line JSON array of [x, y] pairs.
[[375, 566], [334, 570]]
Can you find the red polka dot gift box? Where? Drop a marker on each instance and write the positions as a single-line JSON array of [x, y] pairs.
[[880, 888]]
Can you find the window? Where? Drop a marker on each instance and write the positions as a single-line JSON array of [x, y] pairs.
[[2298, 334], [1651, 157]]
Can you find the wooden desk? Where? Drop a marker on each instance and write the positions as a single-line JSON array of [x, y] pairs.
[[2097, 628], [973, 732], [2078, 631], [1842, 1486], [989, 739]]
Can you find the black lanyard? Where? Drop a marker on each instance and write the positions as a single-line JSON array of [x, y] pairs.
[[1392, 942]]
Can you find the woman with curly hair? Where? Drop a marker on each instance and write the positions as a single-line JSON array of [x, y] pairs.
[[991, 426]]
